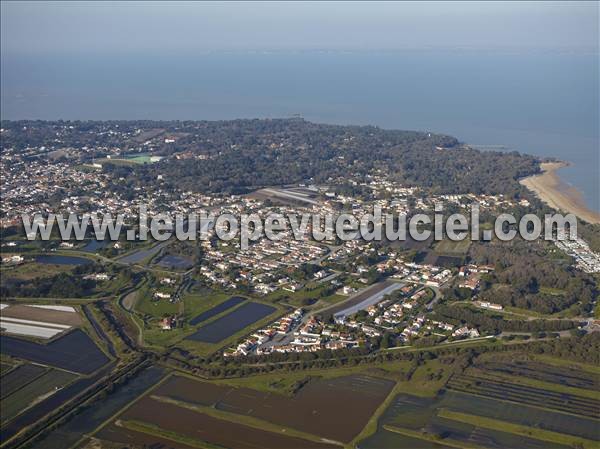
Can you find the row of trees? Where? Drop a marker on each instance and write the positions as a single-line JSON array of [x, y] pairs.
[[496, 324], [579, 348]]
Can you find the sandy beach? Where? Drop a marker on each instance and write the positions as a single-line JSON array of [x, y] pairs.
[[557, 194]]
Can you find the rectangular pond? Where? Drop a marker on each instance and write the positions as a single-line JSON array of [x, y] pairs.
[[62, 260], [175, 262], [73, 352], [232, 323]]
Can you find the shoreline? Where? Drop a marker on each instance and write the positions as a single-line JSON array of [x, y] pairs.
[[552, 190]]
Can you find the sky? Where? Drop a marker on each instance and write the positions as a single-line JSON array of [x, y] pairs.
[[46, 27]]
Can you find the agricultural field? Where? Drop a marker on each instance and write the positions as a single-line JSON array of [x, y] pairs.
[[335, 408], [184, 425], [310, 297], [29, 393], [423, 418], [51, 403], [567, 376], [500, 401], [19, 377], [372, 406], [452, 248], [90, 418], [32, 270], [526, 395], [38, 321], [448, 253], [117, 436]]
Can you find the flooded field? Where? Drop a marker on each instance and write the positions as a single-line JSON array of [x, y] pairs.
[[231, 323], [225, 305], [85, 422], [336, 409], [202, 427], [74, 351]]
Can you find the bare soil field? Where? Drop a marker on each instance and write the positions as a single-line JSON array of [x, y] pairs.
[[336, 409], [202, 427], [45, 315]]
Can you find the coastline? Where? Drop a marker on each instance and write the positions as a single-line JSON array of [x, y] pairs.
[[557, 194]]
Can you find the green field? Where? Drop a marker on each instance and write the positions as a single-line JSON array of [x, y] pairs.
[[156, 308], [33, 270], [309, 297], [452, 248], [195, 304], [128, 160]]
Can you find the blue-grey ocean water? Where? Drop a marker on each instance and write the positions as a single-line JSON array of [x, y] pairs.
[[545, 104]]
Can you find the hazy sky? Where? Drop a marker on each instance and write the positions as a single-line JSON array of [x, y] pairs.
[[65, 27]]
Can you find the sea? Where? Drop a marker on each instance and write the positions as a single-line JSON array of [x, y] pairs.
[[544, 103]]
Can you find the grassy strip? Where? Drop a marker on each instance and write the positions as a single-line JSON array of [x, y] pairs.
[[517, 429], [371, 426], [248, 421], [590, 368], [433, 438], [280, 382], [154, 430]]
